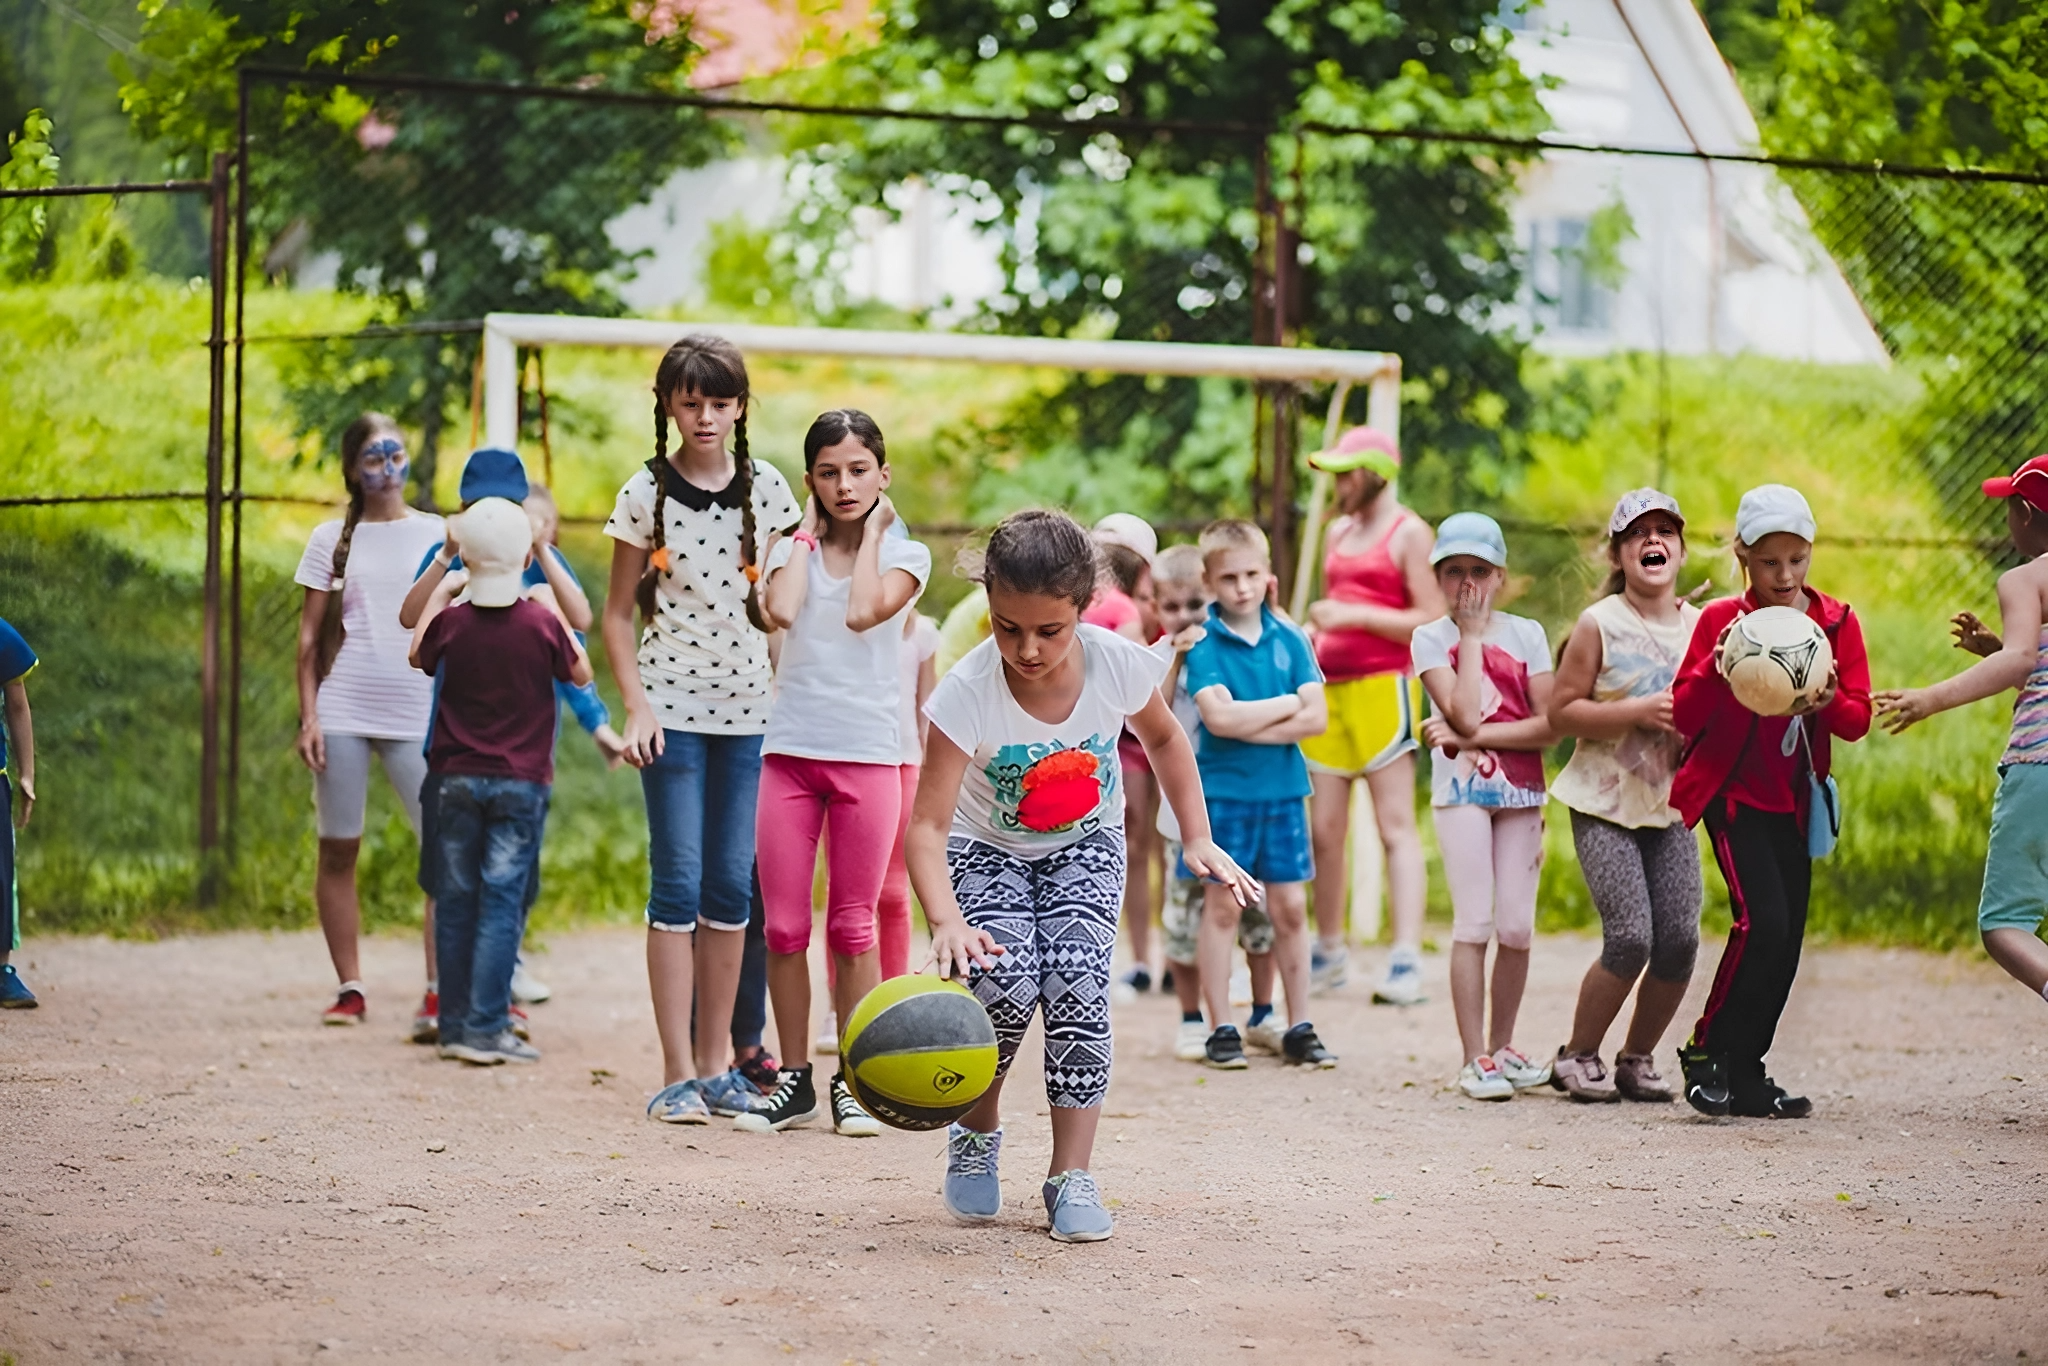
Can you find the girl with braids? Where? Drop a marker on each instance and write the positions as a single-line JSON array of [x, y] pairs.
[[688, 533], [358, 693]]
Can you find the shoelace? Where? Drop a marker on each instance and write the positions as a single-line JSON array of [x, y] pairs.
[[975, 1154], [1078, 1188], [844, 1106], [784, 1089]]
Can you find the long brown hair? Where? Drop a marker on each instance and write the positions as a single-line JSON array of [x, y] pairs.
[[714, 368], [360, 433]]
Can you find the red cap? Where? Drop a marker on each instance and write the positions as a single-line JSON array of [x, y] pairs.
[[2029, 481]]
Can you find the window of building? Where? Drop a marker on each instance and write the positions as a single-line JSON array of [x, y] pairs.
[[1568, 296]]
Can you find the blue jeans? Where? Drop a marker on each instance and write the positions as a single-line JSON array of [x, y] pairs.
[[700, 794], [489, 832]]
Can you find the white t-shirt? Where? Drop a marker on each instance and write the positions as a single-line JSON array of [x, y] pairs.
[[1516, 650], [838, 694], [1033, 788], [373, 689], [704, 666], [921, 644]]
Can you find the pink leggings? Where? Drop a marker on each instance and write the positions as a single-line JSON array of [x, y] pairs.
[[1492, 861], [892, 913], [859, 804]]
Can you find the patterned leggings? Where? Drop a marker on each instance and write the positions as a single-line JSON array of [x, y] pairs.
[[1056, 919]]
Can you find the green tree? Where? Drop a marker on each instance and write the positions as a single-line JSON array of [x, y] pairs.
[[1402, 246], [31, 164], [438, 206], [1949, 271]]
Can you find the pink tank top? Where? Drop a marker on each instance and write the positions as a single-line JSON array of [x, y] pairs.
[[1371, 577]]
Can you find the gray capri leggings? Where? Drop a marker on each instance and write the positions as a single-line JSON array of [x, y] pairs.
[[1646, 886], [340, 794]]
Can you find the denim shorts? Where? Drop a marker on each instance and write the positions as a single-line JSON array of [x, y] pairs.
[[2016, 859], [1269, 840], [701, 793]]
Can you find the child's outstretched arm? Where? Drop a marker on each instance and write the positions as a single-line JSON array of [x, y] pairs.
[[957, 947], [427, 580], [570, 600], [1180, 782], [21, 751], [2020, 592]]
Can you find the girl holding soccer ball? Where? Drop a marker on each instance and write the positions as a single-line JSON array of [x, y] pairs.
[[1752, 778]]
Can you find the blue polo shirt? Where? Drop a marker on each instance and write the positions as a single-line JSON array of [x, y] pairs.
[[1277, 666]]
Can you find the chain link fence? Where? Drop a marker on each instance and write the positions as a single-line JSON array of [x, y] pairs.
[[377, 221]]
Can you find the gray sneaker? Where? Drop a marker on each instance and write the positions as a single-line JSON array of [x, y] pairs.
[[505, 1046], [973, 1193], [729, 1093], [680, 1102], [1075, 1207]]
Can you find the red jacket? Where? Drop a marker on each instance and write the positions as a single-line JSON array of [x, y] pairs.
[[1720, 732]]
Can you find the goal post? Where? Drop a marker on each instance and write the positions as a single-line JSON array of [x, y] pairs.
[[1378, 371]]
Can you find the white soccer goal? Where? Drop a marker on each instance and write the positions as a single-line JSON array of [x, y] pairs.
[[1380, 372]]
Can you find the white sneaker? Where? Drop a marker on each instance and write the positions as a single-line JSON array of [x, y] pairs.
[[1327, 968], [1520, 1072], [828, 1035], [1266, 1035], [1192, 1042], [1402, 986], [527, 990], [1482, 1080]]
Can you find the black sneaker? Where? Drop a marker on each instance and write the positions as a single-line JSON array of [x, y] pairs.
[[793, 1101], [848, 1117], [1706, 1080], [1225, 1049], [1166, 978], [1301, 1047], [1138, 979], [1771, 1102]]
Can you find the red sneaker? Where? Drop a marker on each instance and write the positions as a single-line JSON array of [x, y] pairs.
[[426, 1021], [349, 1007]]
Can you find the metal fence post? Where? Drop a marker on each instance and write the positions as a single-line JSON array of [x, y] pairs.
[[210, 641], [234, 803]]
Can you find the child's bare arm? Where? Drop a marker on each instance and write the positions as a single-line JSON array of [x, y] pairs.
[[21, 750], [570, 600], [1230, 719], [1312, 719], [2022, 603]]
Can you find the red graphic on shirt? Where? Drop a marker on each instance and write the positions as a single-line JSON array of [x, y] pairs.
[[1503, 697], [1059, 790]]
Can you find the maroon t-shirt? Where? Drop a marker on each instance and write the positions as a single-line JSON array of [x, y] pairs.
[[495, 717]]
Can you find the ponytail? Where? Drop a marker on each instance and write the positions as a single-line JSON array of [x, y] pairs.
[[332, 632]]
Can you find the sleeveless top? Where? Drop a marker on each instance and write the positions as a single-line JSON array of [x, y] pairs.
[[1374, 578], [1628, 781], [2029, 743]]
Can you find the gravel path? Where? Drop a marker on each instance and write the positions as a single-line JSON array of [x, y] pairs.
[[199, 1172]]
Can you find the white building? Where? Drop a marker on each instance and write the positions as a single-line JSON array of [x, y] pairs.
[[1722, 260]]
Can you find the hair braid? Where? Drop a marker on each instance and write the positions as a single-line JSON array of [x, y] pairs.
[[657, 559], [743, 476], [357, 436]]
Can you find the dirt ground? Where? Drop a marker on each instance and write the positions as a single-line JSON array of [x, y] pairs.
[[197, 1171]]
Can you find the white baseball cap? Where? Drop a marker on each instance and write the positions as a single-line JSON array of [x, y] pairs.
[[1772, 507], [1129, 530], [1636, 502], [496, 539]]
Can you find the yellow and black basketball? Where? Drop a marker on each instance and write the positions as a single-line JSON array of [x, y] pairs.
[[918, 1052]]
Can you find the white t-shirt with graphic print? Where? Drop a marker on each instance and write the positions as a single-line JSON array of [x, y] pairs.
[[373, 690], [703, 664], [1033, 787]]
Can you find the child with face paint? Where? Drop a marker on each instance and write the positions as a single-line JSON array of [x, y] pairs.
[[358, 694]]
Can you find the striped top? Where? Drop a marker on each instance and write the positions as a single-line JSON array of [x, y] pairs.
[[2029, 743]]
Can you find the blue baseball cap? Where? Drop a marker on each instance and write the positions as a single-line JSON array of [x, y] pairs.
[[1470, 533], [493, 473]]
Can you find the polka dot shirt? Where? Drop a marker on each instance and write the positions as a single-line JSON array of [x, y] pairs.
[[703, 664]]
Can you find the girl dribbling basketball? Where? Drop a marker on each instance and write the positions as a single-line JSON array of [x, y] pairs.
[[1016, 845]]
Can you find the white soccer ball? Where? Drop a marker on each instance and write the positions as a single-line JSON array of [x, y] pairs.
[[1776, 660]]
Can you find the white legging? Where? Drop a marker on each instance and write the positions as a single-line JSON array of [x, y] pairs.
[[342, 792], [1492, 861]]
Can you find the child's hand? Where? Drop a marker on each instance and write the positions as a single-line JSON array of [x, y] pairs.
[[1821, 698], [641, 743], [958, 948], [880, 517], [311, 745], [1473, 609], [1974, 636], [610, 744], [1899, 709], [1188, 637], [1654, 712], [1437, 734], [1205, 859], [814, 518], [448, 546], [1323, 613], [26, 803]]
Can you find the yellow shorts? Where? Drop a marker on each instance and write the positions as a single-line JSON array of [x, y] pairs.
[[1372, 723]]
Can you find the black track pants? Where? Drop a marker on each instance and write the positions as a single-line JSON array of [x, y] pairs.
[[1763, 858]]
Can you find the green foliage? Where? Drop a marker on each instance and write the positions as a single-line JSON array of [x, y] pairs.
[[31, 165], [1403, 247], [437, 207]]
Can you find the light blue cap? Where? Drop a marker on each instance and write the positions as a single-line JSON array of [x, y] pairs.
[[1470, 533]]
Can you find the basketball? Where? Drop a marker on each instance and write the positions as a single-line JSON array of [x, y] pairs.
[[1775, 659], [918, 1052]]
